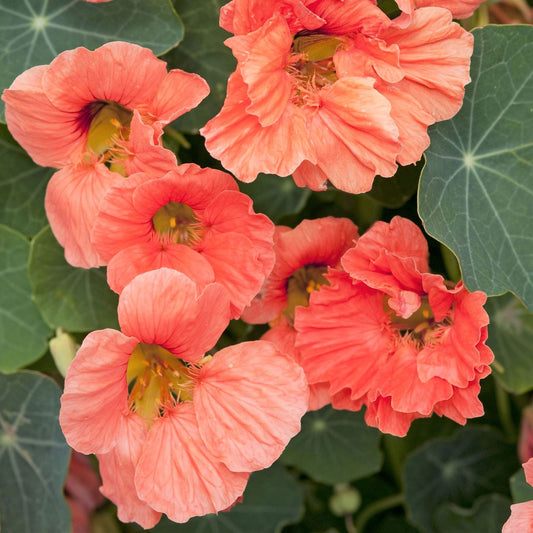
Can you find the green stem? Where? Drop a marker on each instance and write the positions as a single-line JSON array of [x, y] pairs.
[[375, 508], [503, 405], [178, 137]]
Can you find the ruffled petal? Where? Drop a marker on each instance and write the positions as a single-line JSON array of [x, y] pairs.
[[144, 257], [176, 473], [435, 58], [521, 519], [51, 136], [354, 142], [249, 400], [72, 202], [264, 56], [117, 469], [245, 148], [163, 307], [116, 72], [95, 401], [343, 336], [177, 93], [381, 415]]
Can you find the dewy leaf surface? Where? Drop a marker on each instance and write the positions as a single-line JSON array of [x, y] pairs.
[[75, 299], [23, 332], [33, 32], [22, 187], [33, 456], [334, 447], [476, 192]]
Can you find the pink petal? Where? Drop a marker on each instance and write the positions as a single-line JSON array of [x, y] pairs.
[[249, 401], [144, 257], [72, 201], [51, 136], [237, 266], [521, 519], [381, 415], [95, 401], [245, 148], [117, 469], [177, 474], [117, 72], [178, 93], [354, 142], [528, 469], [435, 57], [163, 307]]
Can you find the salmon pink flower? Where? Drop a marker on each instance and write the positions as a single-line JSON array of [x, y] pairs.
[[328, 90], [521, 519], [98, 116], [401, 340], [303, 256], [193, 220], [177, 431]]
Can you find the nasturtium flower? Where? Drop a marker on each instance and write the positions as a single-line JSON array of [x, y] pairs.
[[303, 257], [177, 431], [521, 519], [329, 90], [192, 219], [388, 334], [98, 116]]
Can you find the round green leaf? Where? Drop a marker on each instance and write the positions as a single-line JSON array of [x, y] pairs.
[[202, 51], [521, 490], [23, 333], [275, 196], [511, 339], [487, 516], [36, 31], [22, 187], [335, 446], [476, 191], [74, 299], [272, 499], [34, 456], [475, 461]]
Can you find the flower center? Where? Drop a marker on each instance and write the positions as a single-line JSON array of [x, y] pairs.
[[421, 326], [157, 379], [177, 223], [300, 285], [107, 125], [312, 65]]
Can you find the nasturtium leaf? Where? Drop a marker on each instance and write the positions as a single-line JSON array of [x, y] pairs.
[[34, 456], [334, 446], [22, 187], [394, 192], [473, 462], [511, 340], [202, 51], [23, 333], [272, 499], [74, 299], [488, 515], [476, 191], [275, 196], [521, 490], [35, 31]]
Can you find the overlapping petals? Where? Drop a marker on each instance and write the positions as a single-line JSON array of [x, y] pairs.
[[94, 114], [176, 431], [303, 257], [355, 88], [405, 343], [191, 219]]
